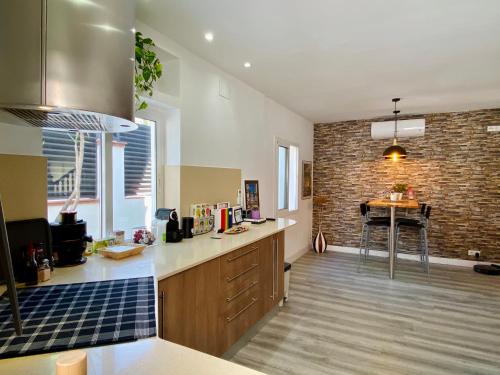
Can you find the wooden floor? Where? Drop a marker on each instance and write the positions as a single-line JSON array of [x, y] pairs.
[[339, 321]]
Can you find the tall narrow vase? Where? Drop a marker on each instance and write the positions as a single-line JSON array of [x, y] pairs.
[[319, 243]]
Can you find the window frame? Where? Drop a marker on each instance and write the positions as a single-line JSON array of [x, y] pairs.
[[280, 142], [104, 175]]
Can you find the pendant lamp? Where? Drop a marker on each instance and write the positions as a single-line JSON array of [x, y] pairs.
[[395, 152]]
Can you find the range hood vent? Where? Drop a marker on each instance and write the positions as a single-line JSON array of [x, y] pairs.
[[67, 65], [84, 121]]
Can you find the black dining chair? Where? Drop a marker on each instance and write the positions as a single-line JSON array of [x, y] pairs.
[[420, 225], [369, 214], [367, 223], [412, 221]]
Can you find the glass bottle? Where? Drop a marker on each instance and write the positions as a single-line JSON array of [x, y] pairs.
[[31, 277]]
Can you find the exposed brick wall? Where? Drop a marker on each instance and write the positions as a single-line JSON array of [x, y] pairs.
[[455, 168]]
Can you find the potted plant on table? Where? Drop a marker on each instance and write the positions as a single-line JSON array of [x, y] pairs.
[[397, 191]]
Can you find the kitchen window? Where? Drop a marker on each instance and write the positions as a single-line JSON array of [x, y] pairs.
[[134, 187], [131, 203], [59, 148], [287, 176]]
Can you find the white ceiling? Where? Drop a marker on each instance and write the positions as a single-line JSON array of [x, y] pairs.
[[332, 60]]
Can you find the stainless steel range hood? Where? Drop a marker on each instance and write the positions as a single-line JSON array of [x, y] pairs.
[[67, 64]]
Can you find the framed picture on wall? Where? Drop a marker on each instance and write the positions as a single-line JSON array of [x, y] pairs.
[[251, 194], [307, 179]]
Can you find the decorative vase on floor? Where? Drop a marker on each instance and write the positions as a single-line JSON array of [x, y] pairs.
[[319, 243]]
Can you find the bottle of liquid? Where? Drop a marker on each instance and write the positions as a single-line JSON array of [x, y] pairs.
[[39, 253], [31, 269], [239, 199]]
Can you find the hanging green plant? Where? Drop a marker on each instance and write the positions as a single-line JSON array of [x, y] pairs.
[[148, 69]]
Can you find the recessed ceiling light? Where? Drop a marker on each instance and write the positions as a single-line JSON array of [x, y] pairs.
[[247, 65], [209, 36]]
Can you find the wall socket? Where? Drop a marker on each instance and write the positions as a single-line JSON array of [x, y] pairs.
[[474, 253]]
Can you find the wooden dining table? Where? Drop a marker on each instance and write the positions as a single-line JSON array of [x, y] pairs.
[[386, 203]]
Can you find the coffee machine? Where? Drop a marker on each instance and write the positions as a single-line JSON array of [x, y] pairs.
[[173, 234], [69, 241]]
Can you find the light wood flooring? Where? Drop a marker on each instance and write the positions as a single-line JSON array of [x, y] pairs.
[[339, 321]]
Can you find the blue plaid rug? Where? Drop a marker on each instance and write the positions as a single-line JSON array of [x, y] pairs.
[[71, 316]]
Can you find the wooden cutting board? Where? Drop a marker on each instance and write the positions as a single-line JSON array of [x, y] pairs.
[[121, 251]]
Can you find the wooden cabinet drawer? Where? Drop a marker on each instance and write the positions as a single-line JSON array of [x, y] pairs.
[[231, 288], [239, 265], [242, 251], [234, 298], [240, 316], [241, 303]]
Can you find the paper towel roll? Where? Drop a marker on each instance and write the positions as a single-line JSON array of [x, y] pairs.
[[72, 363]]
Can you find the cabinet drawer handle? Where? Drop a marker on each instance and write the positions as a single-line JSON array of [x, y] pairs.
[[162, 317], [229, 299], [229, 279], [274, 267], [229, 319], [242, 254]]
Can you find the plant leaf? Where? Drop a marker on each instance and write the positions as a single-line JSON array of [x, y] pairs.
[[148, 68]]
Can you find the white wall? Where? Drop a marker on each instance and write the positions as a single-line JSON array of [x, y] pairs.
[[236, 133]]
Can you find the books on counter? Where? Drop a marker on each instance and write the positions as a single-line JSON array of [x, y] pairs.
[[223, 218], [203, 220], [207, 217]]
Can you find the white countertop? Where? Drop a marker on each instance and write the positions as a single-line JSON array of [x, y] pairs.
[[165, 260], [149, 356]]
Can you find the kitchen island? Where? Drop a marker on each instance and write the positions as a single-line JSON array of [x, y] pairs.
[[165, 260], [192, 309], [149, 356]]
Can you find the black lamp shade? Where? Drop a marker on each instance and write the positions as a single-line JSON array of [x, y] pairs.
[[395, 152]]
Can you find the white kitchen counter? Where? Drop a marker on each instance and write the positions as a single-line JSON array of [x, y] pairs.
[[148, 356], [164, 260]]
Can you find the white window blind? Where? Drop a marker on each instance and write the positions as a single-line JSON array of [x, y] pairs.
[[59, 148]]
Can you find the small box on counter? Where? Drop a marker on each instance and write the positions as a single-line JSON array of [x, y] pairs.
[[203, 220], [103, 242]]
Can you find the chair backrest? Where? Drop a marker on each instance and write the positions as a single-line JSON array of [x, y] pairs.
[[425, 218], [428, 212], [363, 208], [422, 209]]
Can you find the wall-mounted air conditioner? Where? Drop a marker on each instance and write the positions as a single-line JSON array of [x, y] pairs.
[[406, 129]]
